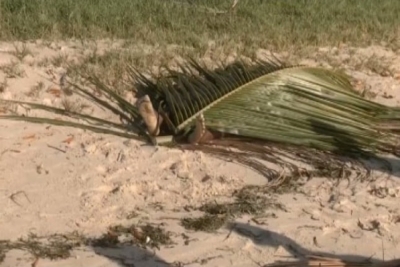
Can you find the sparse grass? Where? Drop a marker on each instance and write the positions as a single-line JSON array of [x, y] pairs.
[[57, 246], [3, 85], [73, 105], [269, 24], [247, 201], [6, 108], [12, 70], [206, 223], [21, 51], [112, 64], [141, 236], [60, 60], [376, 64], [44, 62], [36, 89]]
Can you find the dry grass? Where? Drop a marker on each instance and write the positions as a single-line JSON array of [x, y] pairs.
[[12, 70], [21, 51], [36, 89], [60, 246], [247, 201]]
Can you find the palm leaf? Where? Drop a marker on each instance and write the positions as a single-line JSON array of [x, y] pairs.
[[267, 100], [270, 111], [126, 111]]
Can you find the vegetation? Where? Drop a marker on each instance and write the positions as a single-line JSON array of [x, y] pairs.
[[267, 110], [329, 115], [252, 23], [60, 246], [277, 113], [248, 200]]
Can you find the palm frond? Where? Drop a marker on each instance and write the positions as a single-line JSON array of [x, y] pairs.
[[268, 100], [126, 110], [268, 110], [183, 95]]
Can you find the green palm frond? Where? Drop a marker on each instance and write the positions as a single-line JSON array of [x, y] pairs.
[[184, 94], [299, 105], [296, 106]]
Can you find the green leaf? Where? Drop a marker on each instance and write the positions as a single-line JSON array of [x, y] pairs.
[[268, 100]]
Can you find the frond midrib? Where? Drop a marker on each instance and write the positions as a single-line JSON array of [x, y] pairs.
[[255, 81], [234, 91]]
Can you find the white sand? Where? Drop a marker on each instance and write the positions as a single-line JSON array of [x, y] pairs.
[[63, 179]]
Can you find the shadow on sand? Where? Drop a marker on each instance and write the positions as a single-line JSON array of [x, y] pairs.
[[345, 144], [133, 256], [272, 239]]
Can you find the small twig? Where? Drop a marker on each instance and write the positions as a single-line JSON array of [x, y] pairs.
[[56, 148]]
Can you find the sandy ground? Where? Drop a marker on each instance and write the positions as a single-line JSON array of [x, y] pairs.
[[59, 179]]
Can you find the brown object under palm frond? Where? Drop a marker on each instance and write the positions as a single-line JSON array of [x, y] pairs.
[[316, 261]]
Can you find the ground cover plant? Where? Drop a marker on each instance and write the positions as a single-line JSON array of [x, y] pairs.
[[251, 23]]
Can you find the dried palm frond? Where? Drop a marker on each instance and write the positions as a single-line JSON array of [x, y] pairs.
[[316, 261]]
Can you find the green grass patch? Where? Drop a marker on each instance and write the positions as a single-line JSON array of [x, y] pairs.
[[253, 23]]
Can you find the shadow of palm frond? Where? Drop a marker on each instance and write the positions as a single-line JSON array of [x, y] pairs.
[[346, 145], [305, 256], [131, 256]]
